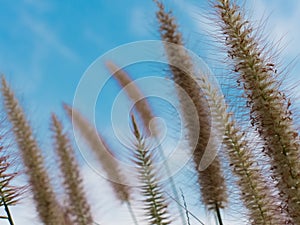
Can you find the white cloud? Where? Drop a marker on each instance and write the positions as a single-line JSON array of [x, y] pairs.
[[94, 37], [45, 34], [139, 23], [281, 23]]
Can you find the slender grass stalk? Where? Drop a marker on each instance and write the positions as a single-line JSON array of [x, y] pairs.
[[47, 206], [211, 180], [187, 211], [79, 209], [219, 217], [132, 213], [185, 208], [9, 217], [255, 193], [108, 163], [99, 147], [143, 108], [270, 108], [155, 202], [9, 194]]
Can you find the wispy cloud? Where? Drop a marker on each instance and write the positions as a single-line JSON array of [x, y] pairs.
[[139, 22], [44, 34], [29, 42], [283, 22], [40, 6]]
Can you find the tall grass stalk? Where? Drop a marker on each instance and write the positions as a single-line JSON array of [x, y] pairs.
[[78, 207], [99, 147], [135, 94], [155, 203], [9, 194], [143, 108], [257, 196], [269, 106], [108, 162], [211, 180], [48, 208], [270, 114]]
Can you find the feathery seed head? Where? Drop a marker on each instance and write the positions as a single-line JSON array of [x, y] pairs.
[[211, 180], [100, 148], [156, 205], [269, 107], [79, 209], [46, 204]]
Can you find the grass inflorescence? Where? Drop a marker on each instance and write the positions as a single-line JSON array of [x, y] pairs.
[[265, 169]]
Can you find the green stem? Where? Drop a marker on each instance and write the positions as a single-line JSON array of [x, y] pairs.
[[183, 207], [219, 215], [9, 217], [173, 187], [132, 213]]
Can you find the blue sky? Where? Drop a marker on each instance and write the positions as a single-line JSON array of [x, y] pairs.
[[45, 46]]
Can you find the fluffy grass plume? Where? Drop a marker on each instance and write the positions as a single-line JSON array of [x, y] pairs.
[[270, 108], [98, 146], [145, 112], [155, 204], [256, 194], [48, 208], [141, 104], [78, 207], [211, 180]]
